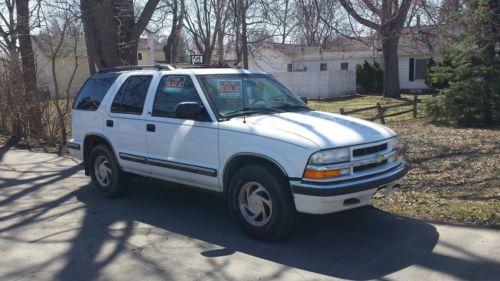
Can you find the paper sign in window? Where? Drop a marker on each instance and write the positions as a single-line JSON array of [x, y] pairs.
[[229, 88], [173, 84]]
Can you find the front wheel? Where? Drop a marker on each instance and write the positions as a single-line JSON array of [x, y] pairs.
[[261, 203]]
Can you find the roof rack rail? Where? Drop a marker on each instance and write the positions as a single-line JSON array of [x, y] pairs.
[[158, 66], [187, 66]]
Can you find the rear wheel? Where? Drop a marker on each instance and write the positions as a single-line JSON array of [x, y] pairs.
[[107, 178], [261, 203]]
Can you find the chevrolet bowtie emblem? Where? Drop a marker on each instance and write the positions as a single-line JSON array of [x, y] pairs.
[[379, 159]]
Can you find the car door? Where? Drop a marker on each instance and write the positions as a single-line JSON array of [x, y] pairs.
[[181, 150], [126, 124]]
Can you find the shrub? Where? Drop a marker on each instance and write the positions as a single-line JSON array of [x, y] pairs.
[[467, 79], [370, 77]]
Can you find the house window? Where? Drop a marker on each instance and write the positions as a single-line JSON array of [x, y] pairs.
[[344, 66], [139, 56], [323, 66], [418, 69], [289, 67], [305, 68]]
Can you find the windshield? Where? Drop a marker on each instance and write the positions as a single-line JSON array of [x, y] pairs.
[[245, 94]]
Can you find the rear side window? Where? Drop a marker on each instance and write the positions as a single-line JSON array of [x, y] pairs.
[[172, 90], [132, 94], [93, 91]]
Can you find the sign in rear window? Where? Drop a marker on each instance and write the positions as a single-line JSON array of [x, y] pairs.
[[173, 84], [229, 88]]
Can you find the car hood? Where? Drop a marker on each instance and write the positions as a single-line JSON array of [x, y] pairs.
[[327, 130]]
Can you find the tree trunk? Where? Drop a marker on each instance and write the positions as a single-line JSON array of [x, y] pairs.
[[89, 34], [244, 40], [28, 68], [391, 69], [220, 45], [172, 45], [113, 32], [237, 27]]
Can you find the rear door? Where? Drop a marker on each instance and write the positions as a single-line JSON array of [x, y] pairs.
[[126, 123], [181, 150]]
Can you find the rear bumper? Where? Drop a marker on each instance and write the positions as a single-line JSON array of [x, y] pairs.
[[328, 197], [75, 148]]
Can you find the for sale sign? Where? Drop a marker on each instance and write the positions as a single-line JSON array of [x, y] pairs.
[[230, 88], [173, 84]]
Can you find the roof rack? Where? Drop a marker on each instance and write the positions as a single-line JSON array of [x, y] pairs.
[[187, 66], [158, 66]]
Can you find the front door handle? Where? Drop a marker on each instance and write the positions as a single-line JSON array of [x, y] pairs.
[[109, 123], [151, 127]]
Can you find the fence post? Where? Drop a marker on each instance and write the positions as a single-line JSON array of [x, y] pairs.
[[415, 101], [380, 113], [342, 111]]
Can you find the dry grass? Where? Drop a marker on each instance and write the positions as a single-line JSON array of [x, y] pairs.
[[455, 172], [360, 101]]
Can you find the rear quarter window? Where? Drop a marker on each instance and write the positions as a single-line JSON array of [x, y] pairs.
[[93, 91]]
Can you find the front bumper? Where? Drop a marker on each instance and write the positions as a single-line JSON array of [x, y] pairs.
[[328, 197]]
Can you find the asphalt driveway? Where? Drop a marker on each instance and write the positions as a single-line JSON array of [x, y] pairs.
[[54, 227]]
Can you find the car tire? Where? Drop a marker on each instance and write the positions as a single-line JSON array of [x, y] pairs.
[[261, 202], [107, 178]]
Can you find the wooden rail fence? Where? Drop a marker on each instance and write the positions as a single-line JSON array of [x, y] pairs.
[[381, 110]]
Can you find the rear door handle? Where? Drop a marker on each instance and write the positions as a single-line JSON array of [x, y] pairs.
[[109, 123], [151, 127]]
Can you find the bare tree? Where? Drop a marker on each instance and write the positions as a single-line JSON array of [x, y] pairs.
[[112, 30], [61, 33], [249, 27], [178, 10], [317, 21], [388, 19], [23, 31], [200, 24], [221, 21], [281, 18]]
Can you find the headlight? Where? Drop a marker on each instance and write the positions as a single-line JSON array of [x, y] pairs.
[[394, 143], [330, 156]]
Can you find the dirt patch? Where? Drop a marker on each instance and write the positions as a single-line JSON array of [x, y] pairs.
[[454, 177]]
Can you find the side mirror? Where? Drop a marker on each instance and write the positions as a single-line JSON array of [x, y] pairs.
[[304, 99], [190, 110]]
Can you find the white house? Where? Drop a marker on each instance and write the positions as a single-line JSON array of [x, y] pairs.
[[71, 63], [317, 73]]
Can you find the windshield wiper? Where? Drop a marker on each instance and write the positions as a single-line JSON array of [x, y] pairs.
[[287, 107], [244, 111]]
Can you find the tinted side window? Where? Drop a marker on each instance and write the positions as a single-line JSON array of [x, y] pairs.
[[132, 94], [93, 91], [172, 90]]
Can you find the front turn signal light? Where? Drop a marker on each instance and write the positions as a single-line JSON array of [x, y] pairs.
[[326, 174]]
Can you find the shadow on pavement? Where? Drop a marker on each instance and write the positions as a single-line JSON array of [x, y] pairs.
[[362, 244]]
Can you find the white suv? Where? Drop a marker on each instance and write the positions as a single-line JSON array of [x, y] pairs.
[[236, 132]]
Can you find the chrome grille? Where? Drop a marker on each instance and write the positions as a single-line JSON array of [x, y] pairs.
[[369, 150], [368, 166]]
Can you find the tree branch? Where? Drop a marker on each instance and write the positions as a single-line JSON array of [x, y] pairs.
[[348, 7], [144, 18]]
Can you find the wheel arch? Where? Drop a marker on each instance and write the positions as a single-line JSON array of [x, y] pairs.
[[235, 162], [89, 142]]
